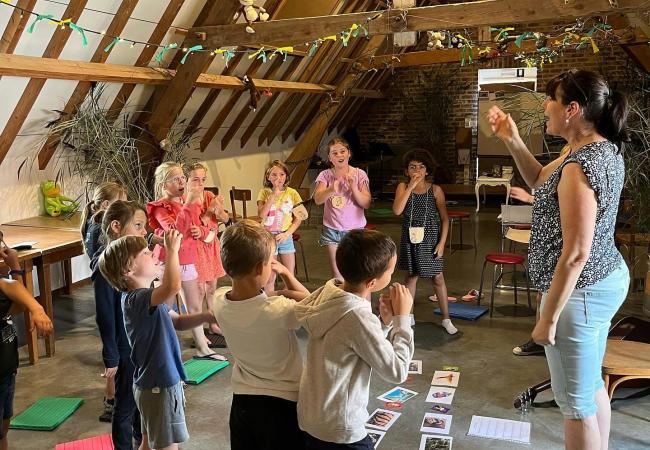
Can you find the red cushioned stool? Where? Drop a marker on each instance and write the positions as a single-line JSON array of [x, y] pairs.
[[501, 259], [296, 240], [458, 216]]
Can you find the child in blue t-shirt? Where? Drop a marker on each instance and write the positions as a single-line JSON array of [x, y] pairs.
[[129, 265]]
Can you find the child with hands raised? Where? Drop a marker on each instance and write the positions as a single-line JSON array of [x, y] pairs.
[[424, 229], [275, 203], [179, 208], [345, 192], [129, 265]]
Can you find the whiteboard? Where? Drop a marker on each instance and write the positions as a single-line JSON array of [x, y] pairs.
[[526, 108]]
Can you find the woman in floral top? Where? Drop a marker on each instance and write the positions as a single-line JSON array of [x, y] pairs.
[[572, 257]]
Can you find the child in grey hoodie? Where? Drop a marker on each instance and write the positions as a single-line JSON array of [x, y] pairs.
[[347, 341]]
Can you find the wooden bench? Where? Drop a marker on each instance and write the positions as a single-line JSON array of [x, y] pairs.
[[625, 361]]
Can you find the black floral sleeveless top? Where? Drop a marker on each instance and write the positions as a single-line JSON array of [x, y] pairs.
[[603, 166]]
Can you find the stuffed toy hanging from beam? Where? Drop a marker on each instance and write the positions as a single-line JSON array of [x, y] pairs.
[[251, 13], [435, 40]]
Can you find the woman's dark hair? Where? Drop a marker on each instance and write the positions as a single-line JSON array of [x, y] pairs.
[[606, 108], [422, 156]]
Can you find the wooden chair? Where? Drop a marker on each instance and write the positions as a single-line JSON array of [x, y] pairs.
[[213, 189], [240, 195]]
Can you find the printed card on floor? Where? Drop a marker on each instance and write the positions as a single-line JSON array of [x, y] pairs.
[[436, 423], [440, 409], [382, 419], [398, 395], [445, 378], [429, 442], [375, 436], [415, 366], [442, 395]]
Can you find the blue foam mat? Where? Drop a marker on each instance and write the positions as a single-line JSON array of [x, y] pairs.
[[464, 311]]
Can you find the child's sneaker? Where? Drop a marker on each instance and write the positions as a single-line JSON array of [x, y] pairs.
[[449, 327], [107, 415]]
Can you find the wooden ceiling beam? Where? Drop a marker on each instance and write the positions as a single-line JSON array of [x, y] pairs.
[[310, 107], [211, 97], [268, 104], [42, 69], [310, 140], [115, 28], [272, 7], [299, 114], [225, 110], [147, 54], [15, 26], [245, 109], [352, 116], [168, 101], [474, 14], [324, 53], [34, 86], [349, 102]]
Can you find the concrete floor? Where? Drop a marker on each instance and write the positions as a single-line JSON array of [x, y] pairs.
[[491, 376]]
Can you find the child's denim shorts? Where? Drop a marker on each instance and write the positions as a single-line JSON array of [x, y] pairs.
[[285, 247], [576, 358], [330, 236]]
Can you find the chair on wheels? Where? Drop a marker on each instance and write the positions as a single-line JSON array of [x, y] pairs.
[[499, 260]]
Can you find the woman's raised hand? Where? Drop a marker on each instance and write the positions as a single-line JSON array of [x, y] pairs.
[[502, 124]]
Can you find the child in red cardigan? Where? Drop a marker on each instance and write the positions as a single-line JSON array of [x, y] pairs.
[[181, 210]]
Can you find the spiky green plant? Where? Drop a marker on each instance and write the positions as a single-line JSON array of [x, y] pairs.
[[96, 148]]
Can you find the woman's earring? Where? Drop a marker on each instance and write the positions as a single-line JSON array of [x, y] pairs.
[[566, 121]]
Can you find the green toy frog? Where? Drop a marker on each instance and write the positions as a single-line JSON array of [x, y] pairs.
[[55, 203]]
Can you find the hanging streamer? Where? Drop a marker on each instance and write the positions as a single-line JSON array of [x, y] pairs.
[[78, 29], [40, 17], [189, 51], [112, 44], [164, 50], [281, 51]]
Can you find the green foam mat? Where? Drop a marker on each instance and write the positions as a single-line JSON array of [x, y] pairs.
[[197, 370], [46, 414], [381, 212]]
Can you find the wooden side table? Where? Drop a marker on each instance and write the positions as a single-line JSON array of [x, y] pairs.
[[492, 181], [624, 361]]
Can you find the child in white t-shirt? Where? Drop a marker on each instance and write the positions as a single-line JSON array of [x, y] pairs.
[[259, 328]]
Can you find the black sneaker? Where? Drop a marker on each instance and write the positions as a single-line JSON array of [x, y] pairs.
[[527, 349], [107, 415]]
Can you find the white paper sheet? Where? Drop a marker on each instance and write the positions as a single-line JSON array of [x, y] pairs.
[[493, 428]]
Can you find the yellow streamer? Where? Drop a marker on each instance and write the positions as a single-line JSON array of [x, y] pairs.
[[255, 54], [330, 38]]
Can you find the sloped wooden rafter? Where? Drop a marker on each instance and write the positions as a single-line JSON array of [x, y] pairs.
[[227, 107], [168, 101], [324, 53], [34, 86], [268, 104], [239, 120], [272, 7], [15, 26], [147, 54], [115, 28]]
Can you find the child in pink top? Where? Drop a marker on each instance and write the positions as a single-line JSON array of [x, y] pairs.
[[346, 194], [173, 211], [208, 261]]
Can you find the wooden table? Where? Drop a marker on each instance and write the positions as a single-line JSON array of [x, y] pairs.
[[625, 360], [53, 245], [60, 223]]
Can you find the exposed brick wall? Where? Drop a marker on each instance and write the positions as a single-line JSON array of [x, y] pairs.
[[396, 121]]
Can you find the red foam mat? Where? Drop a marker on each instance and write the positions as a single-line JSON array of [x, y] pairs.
[[104, 442]]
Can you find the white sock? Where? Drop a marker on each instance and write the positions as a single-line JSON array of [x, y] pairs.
[[449, 327], [412, 319]]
